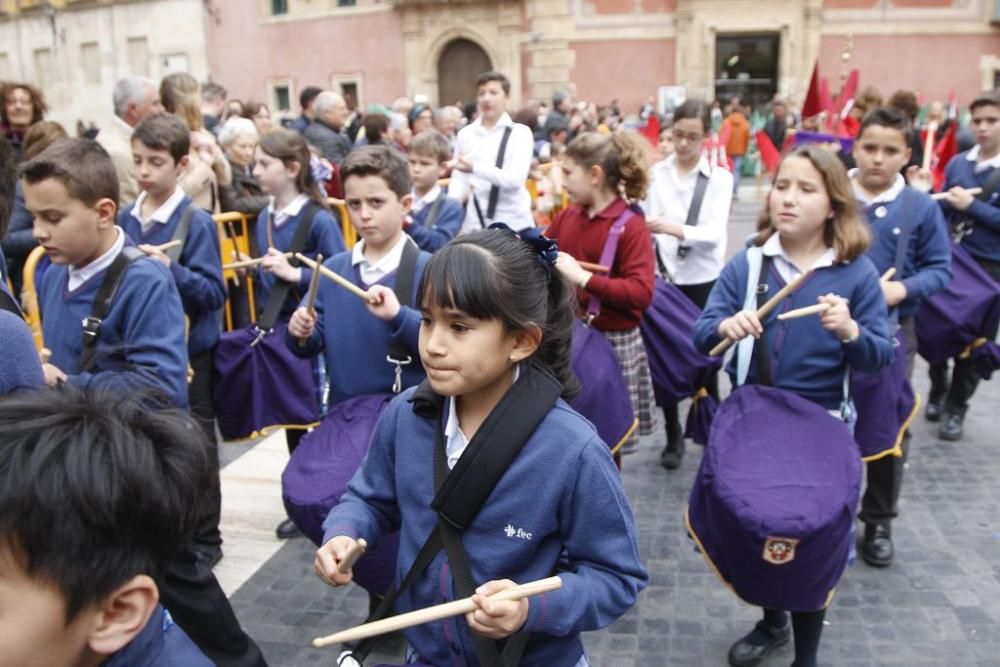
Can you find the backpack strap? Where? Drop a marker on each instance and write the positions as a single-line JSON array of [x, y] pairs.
[[608, 253], [103, 301], [491, 206], [694, 210], [276, 298], [406, 277], [965, 226], [9, 303], [181, 233], [435, 211]]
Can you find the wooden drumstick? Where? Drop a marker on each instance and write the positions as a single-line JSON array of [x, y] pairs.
[[435, 613], [311, 295], [44, 355], [818, 309], [929, 144], [334, 276], [163, 247], [763, 310], [944, 195], [247, 263], [353, 554], [596, 268], [889, 273]]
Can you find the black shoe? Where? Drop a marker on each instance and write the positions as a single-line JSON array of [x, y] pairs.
[[287, 529], [877, 549], [673, 453], [951, 429], [934, 410], [752, 649]]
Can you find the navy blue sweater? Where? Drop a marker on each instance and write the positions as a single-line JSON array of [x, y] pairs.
[[141, 343], [355, 341], [162, 643], [449, 220], [197, 273], [324, 237], [927, 262], [559, 509], [984, 241], [805, 358]]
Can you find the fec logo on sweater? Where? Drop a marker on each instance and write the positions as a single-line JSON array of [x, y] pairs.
[[518, 533]]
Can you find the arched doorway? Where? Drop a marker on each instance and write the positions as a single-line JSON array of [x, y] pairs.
[[461, 61]]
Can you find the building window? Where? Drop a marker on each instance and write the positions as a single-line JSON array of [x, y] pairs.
[[43, 67], [279, 7], [996, 72], [346, 3], [5, 72], [90, 59], [138, 56], [282, 98]]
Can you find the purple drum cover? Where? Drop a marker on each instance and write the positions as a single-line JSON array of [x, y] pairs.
[[604, 398], [679, 370], [700, 418], [317, 475], [885, 402], [968, 309], [773, 505]]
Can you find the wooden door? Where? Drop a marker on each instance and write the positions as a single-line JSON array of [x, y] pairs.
[[462, 61]]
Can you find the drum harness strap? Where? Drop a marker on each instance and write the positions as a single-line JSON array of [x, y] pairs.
[[406, 276]]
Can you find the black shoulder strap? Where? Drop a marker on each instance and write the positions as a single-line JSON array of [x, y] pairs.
[[991, 185], [9, 303], [491, 207], [406, 277], [281, 288], [761, 348], [181, 233], [103, 300], [435, 211], [694, 210]]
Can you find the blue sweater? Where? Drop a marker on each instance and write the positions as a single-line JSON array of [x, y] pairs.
[[559, 509], [806, 358], [141, 343], [197, 273], [324, 237], [927, 263], [162, 643], [984, 241], [449, 220], [355, 341]]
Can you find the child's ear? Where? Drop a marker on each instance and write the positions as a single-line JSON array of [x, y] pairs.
[[526, 342], [107, 210], [442, 169], [182, 164], [292, 169], [406, 201], [596, 174], [124, 614]]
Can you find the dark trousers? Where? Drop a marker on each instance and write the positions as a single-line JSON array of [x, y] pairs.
[[885, 476], [957, 391], [207, 535], [699, 295]]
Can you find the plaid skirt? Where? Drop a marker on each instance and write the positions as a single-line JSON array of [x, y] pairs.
[[635, 367]]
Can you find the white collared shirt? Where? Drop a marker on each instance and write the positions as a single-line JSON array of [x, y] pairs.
[[784, 264], [669, 197], [455, 442], [480, 146], [973, 156], [290, 211], [160, 215], [78, 276], [372, 273], [885, 197], [427, 200]]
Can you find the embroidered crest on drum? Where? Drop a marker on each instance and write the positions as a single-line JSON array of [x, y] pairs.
[[780, 550]]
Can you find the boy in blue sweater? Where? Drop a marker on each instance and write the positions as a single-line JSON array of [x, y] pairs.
[[434, 218], [139, 342], [377, 193], [95, 501], [896, 213], [162, 214], [979, 218]]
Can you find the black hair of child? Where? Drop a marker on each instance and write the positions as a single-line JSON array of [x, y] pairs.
[[164, 132], [96, 487], [887, 117]]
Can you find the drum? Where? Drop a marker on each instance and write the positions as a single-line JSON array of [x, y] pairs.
[[604, 398], [260, 387], [318, 473], [886, 404], [773, 505]]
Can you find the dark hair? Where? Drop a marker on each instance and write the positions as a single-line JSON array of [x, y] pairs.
[[376, 125], [486, 77], [987, 99], [622, 157], [38, 105], [696, 109], [289, 146], [494, 275], [164, 132], [383, 161], [62, 161], [905, 101], [431, 143], [8, 183], [887, 117], [308, 94], [211, 91], [252, 107], [527, 116], [96, 487], [415, 113]]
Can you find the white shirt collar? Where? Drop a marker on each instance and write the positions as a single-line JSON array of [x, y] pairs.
[[671, 164], [372, 273], [455, 441], [889, 195], [973, 156], [78, 276], [502, 122], [427, 199], [160, 215], [290, 211], [786, 267]]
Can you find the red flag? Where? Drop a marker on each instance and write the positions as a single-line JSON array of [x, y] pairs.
[[813, 104], [652, 129], [769, 155], [945, 150], [846, 98]]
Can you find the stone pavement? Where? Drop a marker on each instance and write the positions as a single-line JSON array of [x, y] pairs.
[[939, 604]]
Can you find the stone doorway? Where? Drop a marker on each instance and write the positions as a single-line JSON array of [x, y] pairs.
[[461, 62]]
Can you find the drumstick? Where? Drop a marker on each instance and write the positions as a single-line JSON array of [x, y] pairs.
[[763, 310], [353, 554], [596, 268], [335, 277], [44, 355], [163, 247], [246, 263], [435, 613], [819, 308], [889, 273], [311, 295], [944, 195], [929, 144]]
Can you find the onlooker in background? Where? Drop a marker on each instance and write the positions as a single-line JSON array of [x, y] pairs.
[[259, 114], [421, 117], [134, 98], [306, 99], [739, 139], [238, 138], [326, 132], [376, 130], [562, 107], [234, 108], [777, 127], [447, 120], [399, 131], [213, 103], [23, 105]]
